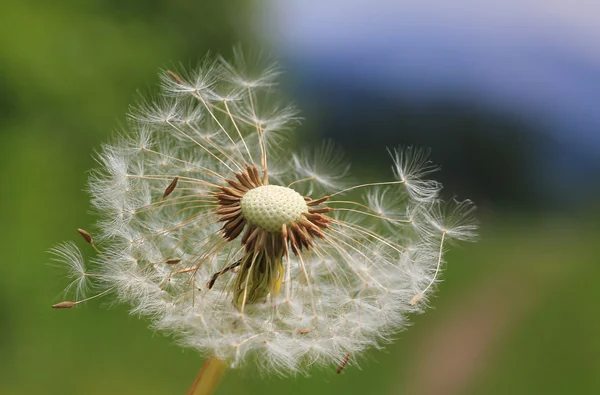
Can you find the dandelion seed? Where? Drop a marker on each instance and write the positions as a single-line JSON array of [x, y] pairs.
[[63, 305], [171, 187], [86, 236], [343, 364], [263, 253]]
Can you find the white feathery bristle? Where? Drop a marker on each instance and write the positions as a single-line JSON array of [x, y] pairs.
[[200, 81], [411, 166], [69, 255], [326, 166], [250, 71]]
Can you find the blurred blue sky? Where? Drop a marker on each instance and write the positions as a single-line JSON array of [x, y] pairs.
[[538, 61]]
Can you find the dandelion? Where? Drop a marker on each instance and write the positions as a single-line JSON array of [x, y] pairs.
[[248, 252]]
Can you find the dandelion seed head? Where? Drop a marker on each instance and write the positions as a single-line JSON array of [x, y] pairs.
[[246, 251]]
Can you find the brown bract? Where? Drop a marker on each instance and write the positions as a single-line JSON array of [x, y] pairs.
[[297, 235]]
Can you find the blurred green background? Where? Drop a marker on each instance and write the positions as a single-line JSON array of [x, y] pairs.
[[516, 314]]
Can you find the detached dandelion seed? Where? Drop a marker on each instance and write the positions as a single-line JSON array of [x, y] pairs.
[[343, 364], [246, 251]]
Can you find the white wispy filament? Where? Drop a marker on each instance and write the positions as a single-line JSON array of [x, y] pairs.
[[285, 285]]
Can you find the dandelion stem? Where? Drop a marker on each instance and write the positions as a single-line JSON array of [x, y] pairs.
[[208, 377]]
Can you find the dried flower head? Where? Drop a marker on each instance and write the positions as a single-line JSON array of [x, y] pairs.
[[240, 248]]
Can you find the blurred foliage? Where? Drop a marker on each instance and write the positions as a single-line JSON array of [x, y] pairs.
[[69, 70]]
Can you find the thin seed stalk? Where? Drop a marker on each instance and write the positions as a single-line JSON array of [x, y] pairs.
[[208, 378]]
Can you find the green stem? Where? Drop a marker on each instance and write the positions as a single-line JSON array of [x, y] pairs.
[[208, 378]]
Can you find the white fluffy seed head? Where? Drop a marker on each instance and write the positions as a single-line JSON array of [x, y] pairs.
[[371, 263], [271, 206]]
